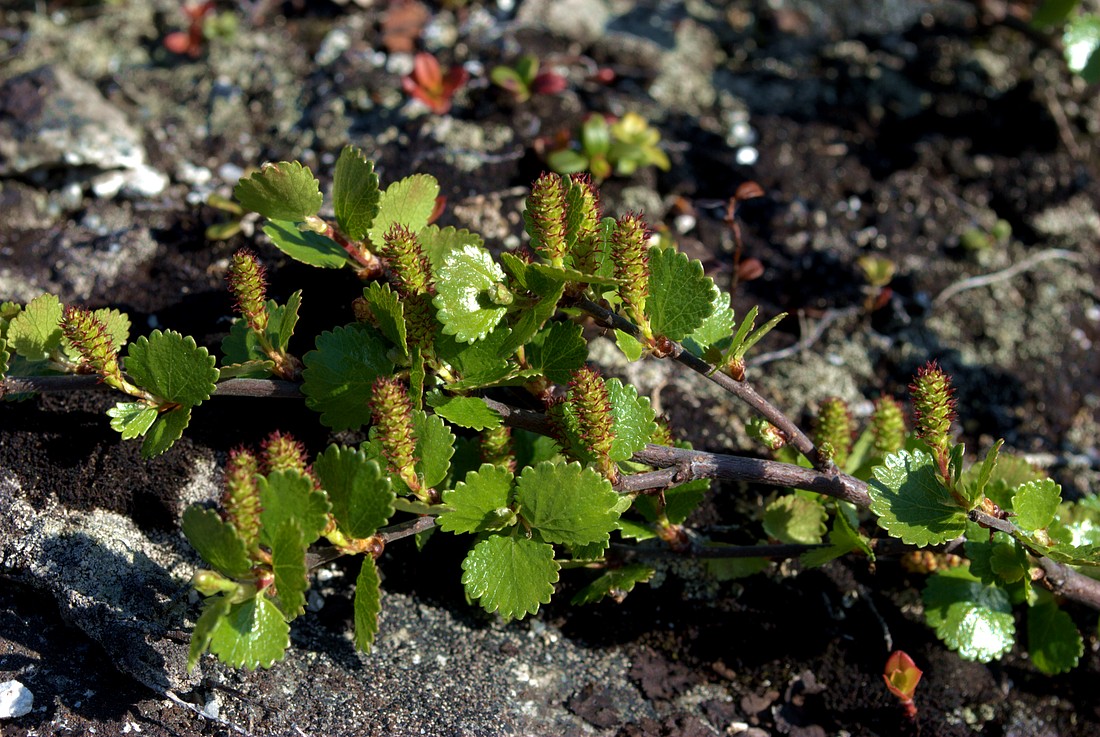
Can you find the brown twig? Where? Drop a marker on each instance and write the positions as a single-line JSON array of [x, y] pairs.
[[740, 389], [680, 465]]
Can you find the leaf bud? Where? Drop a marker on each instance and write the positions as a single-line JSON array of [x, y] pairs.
[[767, 433], [209, 583]]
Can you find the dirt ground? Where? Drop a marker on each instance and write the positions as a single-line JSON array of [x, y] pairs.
[[899, 130]]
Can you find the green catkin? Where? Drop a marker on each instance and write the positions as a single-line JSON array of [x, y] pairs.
[[392, 412], [544, 217], [833, 430], [248, 284]]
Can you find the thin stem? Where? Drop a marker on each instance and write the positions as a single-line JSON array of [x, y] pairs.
[[740, 389], [679, 465]]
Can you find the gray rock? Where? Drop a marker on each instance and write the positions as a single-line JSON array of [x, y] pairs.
[[74, 264], [16, 700], [576, 20], [55, 124], [109, 579]]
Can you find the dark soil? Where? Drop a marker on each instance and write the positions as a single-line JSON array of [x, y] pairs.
[[892, 139]]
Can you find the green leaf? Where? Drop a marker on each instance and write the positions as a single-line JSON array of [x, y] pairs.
[[1053, 12], [970, 617], [242, 345], [843, 539], [214, 611], [355, 195], [438, 242], [282, 191], [681, 297], [617, 583], [510, 575], [172, 367], [306, 246], [361, 495], [1035, 504], [281, 323], [1081, 41], [718, 326], [288, 495], [252, 634], [980, 545], [216, 541], [631, 347], [1009, 473], [471, 412], [338, 375], [680, 501], [166, 429], [132, 419], [409, 201], [531, 320], [1008, 562], [558, 351], [912, 503], [478, 364], [567, 504], [288, 562], [246, 370], [435, 444], [464, 284], [36, 331], [480, 503], [976, 492], [568, 276], [632, 419], [567, 161], [368, 604], [1053, 642], [795, 519], [389, 313]]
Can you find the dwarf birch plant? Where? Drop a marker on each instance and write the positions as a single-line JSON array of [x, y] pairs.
[[594, 481]]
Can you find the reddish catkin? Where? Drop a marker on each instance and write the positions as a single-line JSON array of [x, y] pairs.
[[283, 453], [408, 264], [91, 339], [933, 406]]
